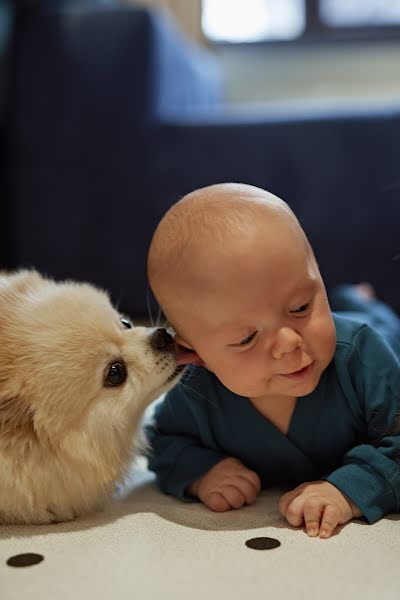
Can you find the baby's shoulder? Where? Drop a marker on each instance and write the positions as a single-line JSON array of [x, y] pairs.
[[348, 329], [359, 345]]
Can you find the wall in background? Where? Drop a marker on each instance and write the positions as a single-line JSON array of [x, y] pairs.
[[361, 71]]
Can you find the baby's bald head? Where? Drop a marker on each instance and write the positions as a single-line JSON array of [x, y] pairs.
[[207, 228], [236, 278]]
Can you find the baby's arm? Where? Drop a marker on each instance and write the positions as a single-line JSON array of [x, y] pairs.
[[178, 454], [370, 472], [368, 481], [185, 455]]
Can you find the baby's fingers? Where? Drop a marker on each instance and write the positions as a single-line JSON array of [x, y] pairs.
[[299, 510], [217, 502], [313, 510], [227, 497], [293, 511], [249, 489], [286, 500], [234, 495], [253, 479], [330, 520]]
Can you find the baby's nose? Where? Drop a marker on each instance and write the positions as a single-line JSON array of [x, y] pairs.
[[287, 341], [161, 341]]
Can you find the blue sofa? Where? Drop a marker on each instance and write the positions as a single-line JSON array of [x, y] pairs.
[[115, 116]]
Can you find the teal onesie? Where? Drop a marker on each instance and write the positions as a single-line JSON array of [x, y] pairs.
[[347, 431]]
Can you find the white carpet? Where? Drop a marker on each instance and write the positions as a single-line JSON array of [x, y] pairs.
[[150, 546]]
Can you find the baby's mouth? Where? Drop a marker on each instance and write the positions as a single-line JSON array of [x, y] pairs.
[[300, 372]]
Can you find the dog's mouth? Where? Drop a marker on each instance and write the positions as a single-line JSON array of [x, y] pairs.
[[184, 357], [175, 374]]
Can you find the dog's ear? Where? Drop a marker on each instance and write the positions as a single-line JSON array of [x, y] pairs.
[[19, 282], [13, 288], [16, 418], [16, 415]]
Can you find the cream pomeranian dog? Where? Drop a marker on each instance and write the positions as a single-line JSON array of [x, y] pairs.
[[75, 379]]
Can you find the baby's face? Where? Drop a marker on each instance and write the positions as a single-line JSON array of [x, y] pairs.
[[263, 326]]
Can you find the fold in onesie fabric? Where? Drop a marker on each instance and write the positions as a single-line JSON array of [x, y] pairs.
[[347, 431]]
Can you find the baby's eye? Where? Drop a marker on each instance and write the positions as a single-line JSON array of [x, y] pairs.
[[248, 339], [301, 308]]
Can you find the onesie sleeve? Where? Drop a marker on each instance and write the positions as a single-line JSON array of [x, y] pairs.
[[370, 472], [183, 447]]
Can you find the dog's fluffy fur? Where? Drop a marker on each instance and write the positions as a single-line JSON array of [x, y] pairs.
[[66, 437]]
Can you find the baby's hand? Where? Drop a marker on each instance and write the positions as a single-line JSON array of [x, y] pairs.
[[318, 505], [229, 484]]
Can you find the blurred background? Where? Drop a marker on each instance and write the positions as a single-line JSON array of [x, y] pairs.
[[283, 49], [110, 111]]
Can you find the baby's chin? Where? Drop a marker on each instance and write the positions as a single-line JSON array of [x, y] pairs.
[[306, 387]]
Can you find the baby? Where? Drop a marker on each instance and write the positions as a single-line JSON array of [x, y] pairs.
[[283, 392]]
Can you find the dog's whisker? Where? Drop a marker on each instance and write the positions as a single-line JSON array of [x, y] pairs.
[[158, 317], [198, 393], [149, 306]]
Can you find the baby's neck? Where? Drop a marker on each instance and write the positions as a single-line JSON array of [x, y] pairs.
[[277, 409]]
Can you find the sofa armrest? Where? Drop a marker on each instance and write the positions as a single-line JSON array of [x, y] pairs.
[[185, 77], [172, 75]]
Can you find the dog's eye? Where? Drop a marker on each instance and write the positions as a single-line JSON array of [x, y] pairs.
[[116, 374], [127, 324]]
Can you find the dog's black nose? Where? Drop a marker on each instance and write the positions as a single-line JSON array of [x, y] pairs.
[[161, 340]]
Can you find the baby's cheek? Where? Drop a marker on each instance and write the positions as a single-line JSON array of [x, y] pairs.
[[324, 335], [240, 372], [245, 383], [233, 379]]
